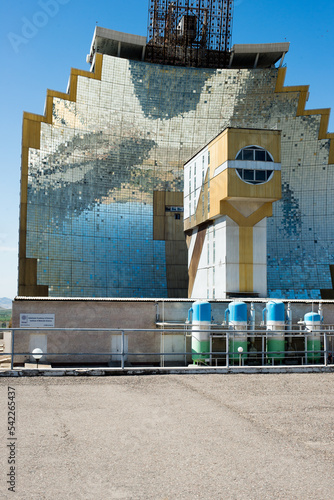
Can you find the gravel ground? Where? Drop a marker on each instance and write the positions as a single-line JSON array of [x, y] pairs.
[[171, 437]]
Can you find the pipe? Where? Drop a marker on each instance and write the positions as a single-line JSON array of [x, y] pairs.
[[190, 311], [289, 316], [252, 321], [320, 312], [227, 313], [264, 315]]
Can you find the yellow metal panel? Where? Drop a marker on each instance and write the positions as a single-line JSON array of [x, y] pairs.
[[48, 109], [323, 122], [24, 188], [264, 211], [245, 259], [174, 198], [218, 191], [302, 103], [280, 79], [159, 202], [22, 243], [24, 160], [227, 145], [268, 139], [218, 150], [270, 191], [331, 149], [158, 227], [31, 134], [32, 116], [73, 87]]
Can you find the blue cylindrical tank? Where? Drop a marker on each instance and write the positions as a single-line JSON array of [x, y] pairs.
[[313, 325], [275, 313], [237, 320], [275, 322], [237, 313], [201, 323], [201, 311]]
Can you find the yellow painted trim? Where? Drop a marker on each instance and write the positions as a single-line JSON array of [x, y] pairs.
[[301, 111], [266, 210], [71, 96], [246, 264]]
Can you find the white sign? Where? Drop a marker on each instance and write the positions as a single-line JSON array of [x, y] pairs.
[[37, 320]]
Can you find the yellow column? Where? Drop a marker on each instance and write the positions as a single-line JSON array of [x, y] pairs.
[[246, 259]]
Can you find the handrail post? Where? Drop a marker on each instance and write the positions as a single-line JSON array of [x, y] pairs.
[[211, 350], [325, 348], [122, 350], [227, 351], [12, 359]]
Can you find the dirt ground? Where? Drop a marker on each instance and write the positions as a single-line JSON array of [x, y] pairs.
[[168, 437]]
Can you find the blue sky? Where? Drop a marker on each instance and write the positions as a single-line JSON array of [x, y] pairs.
[[39, 47]]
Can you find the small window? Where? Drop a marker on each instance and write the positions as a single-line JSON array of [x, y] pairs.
[[260, 175], [248, 154], [247, 175], [254, 153], [254, 176], [260, 155]]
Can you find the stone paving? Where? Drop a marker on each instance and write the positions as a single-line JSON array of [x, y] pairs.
[[169, 437]]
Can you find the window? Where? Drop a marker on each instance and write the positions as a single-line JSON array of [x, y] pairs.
[[254, 153], [254, 176]]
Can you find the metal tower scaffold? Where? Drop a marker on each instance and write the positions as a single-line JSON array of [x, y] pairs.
[[189, 32]]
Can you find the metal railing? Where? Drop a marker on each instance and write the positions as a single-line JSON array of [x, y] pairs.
[[222, 351]]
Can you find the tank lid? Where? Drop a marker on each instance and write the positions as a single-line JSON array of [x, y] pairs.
[[312, 316], [238, 311], [201, 311], [275, 311]]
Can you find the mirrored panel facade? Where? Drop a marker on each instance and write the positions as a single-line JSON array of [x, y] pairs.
[[91, 182]]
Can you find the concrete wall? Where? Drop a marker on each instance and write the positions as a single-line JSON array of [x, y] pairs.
[[88, 314], [122, 314]]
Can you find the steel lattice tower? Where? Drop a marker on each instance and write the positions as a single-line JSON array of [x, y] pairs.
[[189, 32]]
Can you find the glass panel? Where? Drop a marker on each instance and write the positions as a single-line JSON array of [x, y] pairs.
[[260, 155], [260, 175], [248, 175], [248, 154], [268, 157]]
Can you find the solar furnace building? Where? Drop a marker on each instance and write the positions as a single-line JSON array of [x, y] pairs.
[[102, 170]]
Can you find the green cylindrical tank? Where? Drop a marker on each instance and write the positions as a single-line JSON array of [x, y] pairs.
[[313, 349], [275, 321], [233, 347], [237, 316], [275, 348], [201, 324], [313, 325]]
